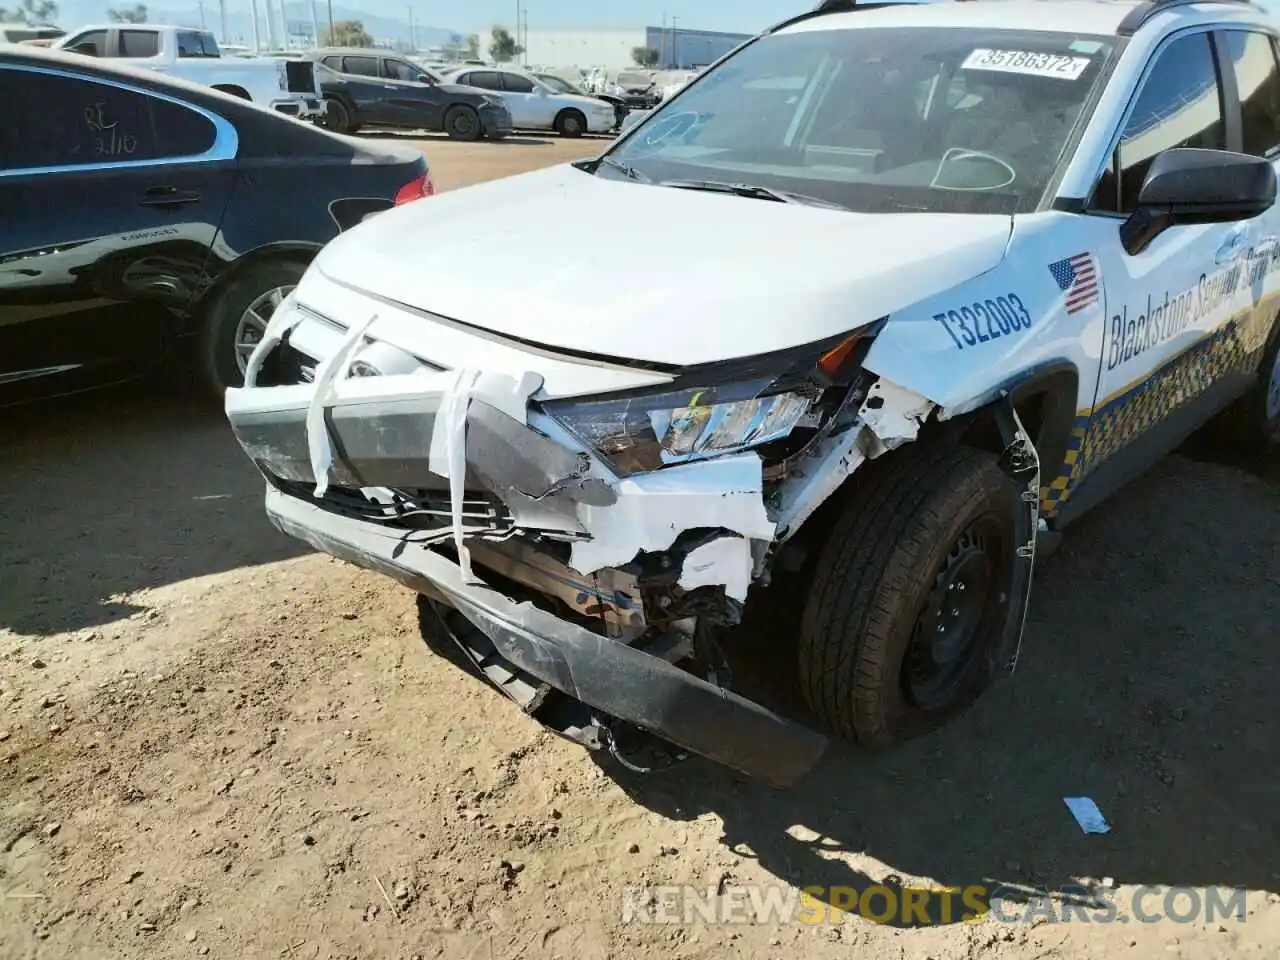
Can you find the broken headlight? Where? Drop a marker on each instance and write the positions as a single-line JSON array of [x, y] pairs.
[[645, 430]]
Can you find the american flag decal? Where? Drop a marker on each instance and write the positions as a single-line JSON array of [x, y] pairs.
[[1077, 278]]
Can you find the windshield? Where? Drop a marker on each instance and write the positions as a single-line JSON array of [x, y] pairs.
[[879, 119], [633, 80], [557, 84]]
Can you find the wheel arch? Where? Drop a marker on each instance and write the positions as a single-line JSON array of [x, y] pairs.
[[563, 111], [1046, 398], [343, 98], [292, 251], [234, 89]]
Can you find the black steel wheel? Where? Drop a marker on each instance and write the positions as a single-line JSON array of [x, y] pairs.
[[462, 123], [911, 593]]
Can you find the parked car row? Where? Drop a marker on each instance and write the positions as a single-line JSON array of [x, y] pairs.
[[364, 87], [149, 218], [286, 87]]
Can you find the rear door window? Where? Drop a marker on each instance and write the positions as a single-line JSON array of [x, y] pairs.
[[399, 70], [139, 43], [360, 66], [485, 79], [515, 83], [57, 121]]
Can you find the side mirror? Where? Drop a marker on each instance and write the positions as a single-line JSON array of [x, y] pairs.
[[1190, 186]]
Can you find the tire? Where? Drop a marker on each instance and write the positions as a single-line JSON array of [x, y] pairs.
[[337, 117], [863, 663], [225, 322], [1253, 421], [570, 123], [462, 123]]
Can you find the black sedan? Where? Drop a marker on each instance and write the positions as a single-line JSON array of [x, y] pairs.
[[149, 221], [372, 88]]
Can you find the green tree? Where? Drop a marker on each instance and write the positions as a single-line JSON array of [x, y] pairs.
[[31, 12], [645, 57], [473, 47], [502, 45], [135, 14], [347, 33]]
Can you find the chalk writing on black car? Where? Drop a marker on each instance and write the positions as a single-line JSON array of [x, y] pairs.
[[110, 140]]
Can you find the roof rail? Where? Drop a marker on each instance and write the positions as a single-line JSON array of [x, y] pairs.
[[1139, 15], [840, 6]]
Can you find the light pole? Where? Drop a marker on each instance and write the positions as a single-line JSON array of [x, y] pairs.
[[257, 40], [271, 25], [675, 42], [331, 21]]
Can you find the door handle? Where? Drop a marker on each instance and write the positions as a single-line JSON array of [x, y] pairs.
[[164, 196], [1232, 247]]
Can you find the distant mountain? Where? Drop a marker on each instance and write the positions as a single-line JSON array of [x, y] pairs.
[[74, 13]]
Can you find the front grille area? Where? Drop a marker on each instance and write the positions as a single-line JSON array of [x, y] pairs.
[[408, 509], [300, 76]]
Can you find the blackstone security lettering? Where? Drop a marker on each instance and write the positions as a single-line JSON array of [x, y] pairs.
[[1134, 336], [1162, 320], [985, 320]]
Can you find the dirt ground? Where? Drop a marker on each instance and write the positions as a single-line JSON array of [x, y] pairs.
[[214, 744]]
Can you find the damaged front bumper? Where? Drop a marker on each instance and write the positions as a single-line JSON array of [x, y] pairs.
[[444, 481], [525, 650]]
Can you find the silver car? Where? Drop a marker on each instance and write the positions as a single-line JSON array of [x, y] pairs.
[[536, 106]]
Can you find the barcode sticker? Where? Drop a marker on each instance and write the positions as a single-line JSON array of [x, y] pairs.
[[1027, 62]]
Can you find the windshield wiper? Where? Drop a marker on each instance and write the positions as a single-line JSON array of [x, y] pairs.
[[752, 191], [630, 172]]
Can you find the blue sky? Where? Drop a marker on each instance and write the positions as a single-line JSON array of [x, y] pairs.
[[738, 16]]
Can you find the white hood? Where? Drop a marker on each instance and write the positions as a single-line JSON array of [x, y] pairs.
[[622, 269]]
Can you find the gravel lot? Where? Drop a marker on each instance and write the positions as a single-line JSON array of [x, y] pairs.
[[214, 744]]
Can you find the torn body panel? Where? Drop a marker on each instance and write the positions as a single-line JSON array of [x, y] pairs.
[[450, 482], [564, 582]]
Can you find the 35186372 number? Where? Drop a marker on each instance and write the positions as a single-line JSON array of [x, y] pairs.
[[985, 320]]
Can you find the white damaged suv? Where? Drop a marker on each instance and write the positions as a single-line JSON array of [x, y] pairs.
[[927, 282]]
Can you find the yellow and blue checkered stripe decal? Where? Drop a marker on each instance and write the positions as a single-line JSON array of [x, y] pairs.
[[1096, 436]]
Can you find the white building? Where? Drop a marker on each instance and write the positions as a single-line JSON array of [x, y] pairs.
[[612, 47]]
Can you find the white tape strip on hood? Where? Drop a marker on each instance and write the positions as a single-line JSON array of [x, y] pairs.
[[331, 372], [448, 455]]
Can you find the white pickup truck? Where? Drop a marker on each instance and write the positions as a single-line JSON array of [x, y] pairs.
[[288, 86]]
